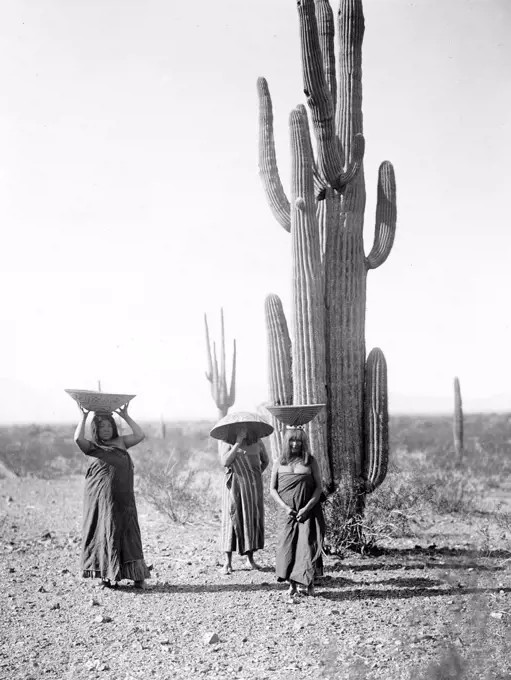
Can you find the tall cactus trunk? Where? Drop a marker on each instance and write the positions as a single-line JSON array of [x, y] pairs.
[[308, 303], [326, 219], [345, 330], [458, 422]]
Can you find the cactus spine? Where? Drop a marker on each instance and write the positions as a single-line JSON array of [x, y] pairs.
[[458, 421], [217, 376], [325, 216]]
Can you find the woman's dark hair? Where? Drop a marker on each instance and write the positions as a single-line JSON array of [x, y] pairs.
[[96, 421], [301, 436]]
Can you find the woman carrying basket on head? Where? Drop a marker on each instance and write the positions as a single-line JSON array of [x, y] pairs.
[[296, 487], [111, 541]]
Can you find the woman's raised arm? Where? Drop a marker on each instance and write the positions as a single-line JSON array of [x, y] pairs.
[[79, 436], [137, 433], [228, 454]]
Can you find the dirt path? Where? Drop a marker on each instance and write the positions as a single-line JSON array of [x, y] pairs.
[[384, 617]]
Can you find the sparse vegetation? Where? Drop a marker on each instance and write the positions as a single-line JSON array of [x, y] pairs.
[[428, 594]]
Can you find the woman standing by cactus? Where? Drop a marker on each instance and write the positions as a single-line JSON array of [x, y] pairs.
[[111, 541], [244, 456], [296, 487]]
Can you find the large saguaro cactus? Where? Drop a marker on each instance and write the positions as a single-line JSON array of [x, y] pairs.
[[217, 376], [325, 216]]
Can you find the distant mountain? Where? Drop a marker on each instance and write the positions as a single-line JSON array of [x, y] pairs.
[[415, 404]]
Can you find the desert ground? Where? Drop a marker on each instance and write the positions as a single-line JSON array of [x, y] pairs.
[[430, 597]]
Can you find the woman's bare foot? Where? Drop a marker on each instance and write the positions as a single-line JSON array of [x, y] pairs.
[[140, 585], [251, 562], [291, 595], [226, 569]]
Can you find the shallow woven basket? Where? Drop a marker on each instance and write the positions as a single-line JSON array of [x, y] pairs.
[[100, 402], [296, 414]]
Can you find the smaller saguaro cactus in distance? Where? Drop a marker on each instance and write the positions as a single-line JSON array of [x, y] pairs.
[[458, 421], [217, 375], [163, 427]]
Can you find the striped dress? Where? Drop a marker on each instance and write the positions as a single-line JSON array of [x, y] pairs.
[[242, 500]]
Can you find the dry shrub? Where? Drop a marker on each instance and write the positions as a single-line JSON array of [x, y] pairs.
[[176, 488], [405, 504]]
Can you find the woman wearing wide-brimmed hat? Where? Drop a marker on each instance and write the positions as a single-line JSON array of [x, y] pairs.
[[244, 456]]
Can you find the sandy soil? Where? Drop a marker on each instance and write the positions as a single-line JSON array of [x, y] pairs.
[[392, 616]]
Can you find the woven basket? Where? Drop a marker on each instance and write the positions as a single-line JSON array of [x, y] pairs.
[[296, 414], [99, 402]]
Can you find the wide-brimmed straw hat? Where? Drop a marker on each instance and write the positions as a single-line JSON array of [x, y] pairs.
[[228, 427]]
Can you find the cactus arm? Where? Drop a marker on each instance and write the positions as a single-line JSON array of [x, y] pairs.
[[215, 389], [349, 120], [209, 372], [322, 107], [376, 416], [386, 214], [279, 353], [320, 184], [232, 389], [280, 378], [268, 169], [326, 34], [222, 377]]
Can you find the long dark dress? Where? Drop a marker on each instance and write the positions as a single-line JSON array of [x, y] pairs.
[[111, 541], [242, 503], [299, 551]]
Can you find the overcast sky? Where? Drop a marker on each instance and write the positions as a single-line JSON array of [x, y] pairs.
[[130, 201]]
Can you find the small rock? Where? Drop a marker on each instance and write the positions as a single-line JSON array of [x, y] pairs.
[[55, 605], [93, 602], [164, 642], [210, 638], [102, 619], [11, 570], [65, 571], [334, 612], [244, 639], [298, 625], [42, 589], [9, 499], [496, 615]]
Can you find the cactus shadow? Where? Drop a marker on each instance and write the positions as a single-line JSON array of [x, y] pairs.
[[463, 564], [404, 593]]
